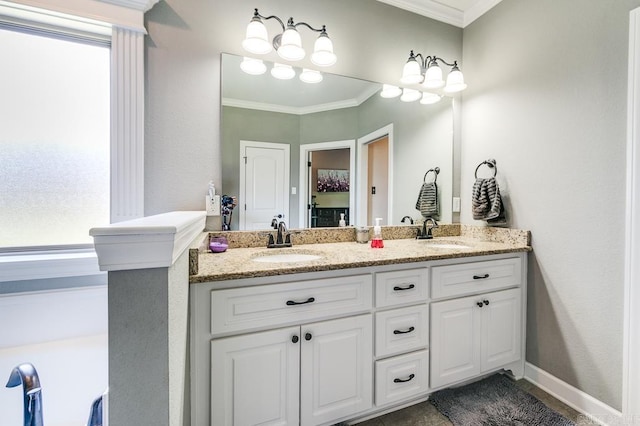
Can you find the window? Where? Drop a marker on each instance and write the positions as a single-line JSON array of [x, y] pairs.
[[54, 138]]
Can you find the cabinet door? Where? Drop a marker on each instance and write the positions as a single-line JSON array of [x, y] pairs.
[[501, 328], [255, 379], [455, 340], [336, 369]]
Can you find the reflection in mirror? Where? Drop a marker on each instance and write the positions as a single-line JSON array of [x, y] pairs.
[[374, 151]]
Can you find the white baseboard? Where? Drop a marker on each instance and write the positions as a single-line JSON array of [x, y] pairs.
[[593, 409]]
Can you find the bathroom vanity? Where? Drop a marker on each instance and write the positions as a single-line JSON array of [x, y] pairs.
[[355, 332]]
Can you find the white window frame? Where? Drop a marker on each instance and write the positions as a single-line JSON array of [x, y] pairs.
[[123, 21]]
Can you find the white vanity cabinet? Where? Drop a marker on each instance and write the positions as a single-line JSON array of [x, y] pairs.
[[480, 333], [323, 347], [307, 375], [278, 354]]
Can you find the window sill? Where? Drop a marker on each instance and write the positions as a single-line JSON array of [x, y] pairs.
[[48, 264]]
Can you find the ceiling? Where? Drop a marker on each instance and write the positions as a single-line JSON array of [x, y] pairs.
[[455, 12]]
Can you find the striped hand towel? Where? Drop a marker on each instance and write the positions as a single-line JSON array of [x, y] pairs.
[[486, 201], [427, 202]]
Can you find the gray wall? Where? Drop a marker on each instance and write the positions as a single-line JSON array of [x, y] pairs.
[[182, 133], [547, 99]]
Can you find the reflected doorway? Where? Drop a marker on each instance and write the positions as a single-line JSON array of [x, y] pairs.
[[326, 183], [375, 177]]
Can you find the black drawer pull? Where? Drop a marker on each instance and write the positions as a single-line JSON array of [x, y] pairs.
[[480, 305], [409, 287], [294, 339], [480, 277], [309, 300], [411, 376], [486, 302], [409, 330]]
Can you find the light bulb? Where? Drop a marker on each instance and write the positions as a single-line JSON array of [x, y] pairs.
[[455, 81], [433, 77], [390, 91], [253, 66], [282, 71], [310, 76], [291, 45], [412, 72], [257, 40], [410, 95], [429, 98], [323, 55]]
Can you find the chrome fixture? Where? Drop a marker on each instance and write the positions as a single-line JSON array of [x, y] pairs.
[[428, 72], [427, 230], [407, 217], [288, 43], [27, 376], [425, 70]]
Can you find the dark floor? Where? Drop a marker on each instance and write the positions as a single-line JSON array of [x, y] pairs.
[[426, 414]]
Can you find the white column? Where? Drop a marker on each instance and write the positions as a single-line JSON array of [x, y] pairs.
[[127, 124]]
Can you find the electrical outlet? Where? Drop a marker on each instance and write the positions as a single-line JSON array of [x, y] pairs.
[[456, 205], [212, 205], [294, 190]]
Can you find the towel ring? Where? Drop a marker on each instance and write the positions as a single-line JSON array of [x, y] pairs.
[[491, 163], [435, 171]]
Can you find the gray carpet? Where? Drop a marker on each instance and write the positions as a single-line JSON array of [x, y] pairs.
[[494, 401]]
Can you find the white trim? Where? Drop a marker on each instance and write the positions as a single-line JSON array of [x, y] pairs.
[[431, 9], [304, 176], [311, 109], [48, 264], [631, 342], [141, 5], [242, 172], [479, 8], [362, 161], [127, 125], [149, 242], [575, 398]]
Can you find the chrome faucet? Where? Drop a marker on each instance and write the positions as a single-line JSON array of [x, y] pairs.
[[283, 238], [407, 217], [426, 233], [27, 376]]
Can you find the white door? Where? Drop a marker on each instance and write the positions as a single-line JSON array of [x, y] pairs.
[[501, 328], [336, 374], [264, 184], [255, 379], [455, 340]]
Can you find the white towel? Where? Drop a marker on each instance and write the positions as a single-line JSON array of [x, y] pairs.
[[486, 201], [427, 202]]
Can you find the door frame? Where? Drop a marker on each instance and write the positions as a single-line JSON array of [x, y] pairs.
[[242, 171], [631, 345], [304, 176], [363, 167]]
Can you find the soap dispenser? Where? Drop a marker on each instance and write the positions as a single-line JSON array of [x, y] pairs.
[[376, 241], [342, 222]]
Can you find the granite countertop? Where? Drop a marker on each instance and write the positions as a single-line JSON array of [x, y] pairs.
[[237, 263]]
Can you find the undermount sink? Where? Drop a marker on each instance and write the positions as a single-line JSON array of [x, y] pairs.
[[286, 258], [446, 244]]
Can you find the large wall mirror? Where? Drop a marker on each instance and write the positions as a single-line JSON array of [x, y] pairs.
[[311, 152]]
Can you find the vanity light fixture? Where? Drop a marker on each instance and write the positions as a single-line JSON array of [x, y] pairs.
[[288, 44], [310, 76], [426, 70]]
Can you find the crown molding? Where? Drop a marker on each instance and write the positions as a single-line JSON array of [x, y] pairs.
[[479, 8], [329, 106], [431, 9], [141, 5]]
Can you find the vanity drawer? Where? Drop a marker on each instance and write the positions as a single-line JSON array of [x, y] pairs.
[[248, 308], [400, 377], [402, 287], [402, 330], [475, 277]]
